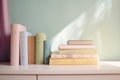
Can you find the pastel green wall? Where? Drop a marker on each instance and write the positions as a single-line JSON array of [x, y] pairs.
[[52, 16], [49, 16]]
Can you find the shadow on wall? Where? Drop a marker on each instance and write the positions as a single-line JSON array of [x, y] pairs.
[[88, 23]]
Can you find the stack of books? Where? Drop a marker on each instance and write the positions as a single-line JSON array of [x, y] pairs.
[[76, 52]]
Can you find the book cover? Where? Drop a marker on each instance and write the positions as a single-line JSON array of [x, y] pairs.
[[78, 51], [80, 42], [47, 50], [24, 47], [76, 46], [5, 30], [40, 38], [31, 49], [75, 61], [14, 55]]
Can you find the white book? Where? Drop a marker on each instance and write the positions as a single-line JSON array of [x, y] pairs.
[[24, 47]]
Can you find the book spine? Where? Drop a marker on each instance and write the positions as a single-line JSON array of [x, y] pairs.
[[80, 42], [14, 56], [74, 56], [47, 49], [66, 61], [31, 49], [40, 38], [24, 48], [78, 51], [76, 46]]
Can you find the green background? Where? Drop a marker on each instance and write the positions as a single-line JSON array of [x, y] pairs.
[[52, 16]]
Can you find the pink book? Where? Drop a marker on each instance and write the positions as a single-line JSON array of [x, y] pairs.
[[80, 42], [76, 46], [15, 32]]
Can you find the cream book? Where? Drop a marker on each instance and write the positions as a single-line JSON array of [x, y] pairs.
[[63, 46], [78, 51], [15, 33], [74, 55], [80, 42]]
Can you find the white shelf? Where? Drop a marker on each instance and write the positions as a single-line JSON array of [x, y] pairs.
[[105, 67]]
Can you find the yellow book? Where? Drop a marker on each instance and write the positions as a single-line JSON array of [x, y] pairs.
[[78, 51], [75, 61]]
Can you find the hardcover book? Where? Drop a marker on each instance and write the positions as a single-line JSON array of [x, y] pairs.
[[47, 50], [74, 55], [40, 38], [75, 61], [76, 46], [15, 33], [80, 42], [31, 49], [78, 51], [24, 47]]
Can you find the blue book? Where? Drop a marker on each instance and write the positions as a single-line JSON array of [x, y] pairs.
[[47, 51]]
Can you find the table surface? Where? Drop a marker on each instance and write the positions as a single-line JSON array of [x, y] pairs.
[[104, 67]]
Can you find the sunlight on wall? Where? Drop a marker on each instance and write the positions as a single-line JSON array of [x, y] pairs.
[[86, 26]]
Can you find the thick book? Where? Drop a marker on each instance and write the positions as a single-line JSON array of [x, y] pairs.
[[23, 47], [76, 46], [74, 55], [40, 38], [5, 30], [15, 33], [47, 51], [31, 49], [75, 61], [78, 51], [80, 42]]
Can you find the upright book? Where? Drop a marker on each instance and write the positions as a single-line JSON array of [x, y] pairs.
[[47, 51], [24, 47], [40, 38], [31, 49], [15, 33]]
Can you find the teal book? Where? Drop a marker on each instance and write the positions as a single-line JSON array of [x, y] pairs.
[[47, 51]]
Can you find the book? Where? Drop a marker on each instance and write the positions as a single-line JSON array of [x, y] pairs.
[[76, 46], [78, 51], [47, 51], [5, 31], [74, 55], [80, 42], [31, 49], [75, 61], [40, 38], [24, 47], [14, 54]]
